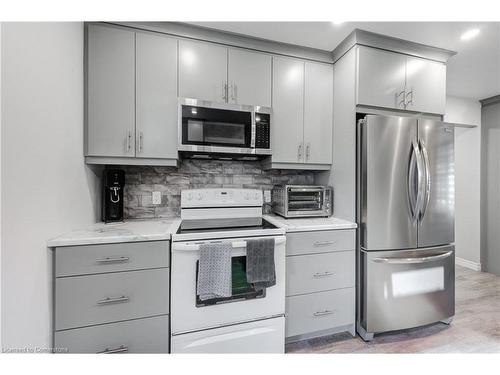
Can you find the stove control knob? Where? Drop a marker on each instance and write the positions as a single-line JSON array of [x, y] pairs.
[[189, 196], [256, 196], [247, 196], [200, 196]]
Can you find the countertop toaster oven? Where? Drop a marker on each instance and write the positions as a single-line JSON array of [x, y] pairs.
[[292, 201]]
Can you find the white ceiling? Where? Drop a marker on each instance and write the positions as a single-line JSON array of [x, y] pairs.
[[473, 73]]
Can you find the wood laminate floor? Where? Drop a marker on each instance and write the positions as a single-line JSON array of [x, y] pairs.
[[475, 329]]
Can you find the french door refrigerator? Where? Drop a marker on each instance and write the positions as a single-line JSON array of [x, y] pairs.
[[406, 199]]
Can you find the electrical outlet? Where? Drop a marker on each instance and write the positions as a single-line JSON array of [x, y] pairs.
[[267, 196], [156, 197]]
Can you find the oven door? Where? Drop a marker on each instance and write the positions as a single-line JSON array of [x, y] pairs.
[[189, 313], [407, 288]]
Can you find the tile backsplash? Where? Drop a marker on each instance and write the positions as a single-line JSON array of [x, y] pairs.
[[141, 181]]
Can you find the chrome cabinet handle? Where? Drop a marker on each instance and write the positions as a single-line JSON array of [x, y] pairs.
[[225, 91], [323, 243], [427, 187], [323, 313], [427, 259], [235, 92], [141, 141], [318, 275], [409, 93], [113, 260], [108, 300], [129, 141], [299, 152], [120, 349], [308, 151], [400, 103]]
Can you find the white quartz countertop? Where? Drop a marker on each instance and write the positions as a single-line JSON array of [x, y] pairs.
[[310, 224], [127, 231]]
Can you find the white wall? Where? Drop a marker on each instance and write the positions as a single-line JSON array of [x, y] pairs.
[[467, 177], [46, 188]]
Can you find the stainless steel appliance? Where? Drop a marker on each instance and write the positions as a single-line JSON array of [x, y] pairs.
[[208, 129], [252, 320], [406, 199], [302, 201], [113, 183]]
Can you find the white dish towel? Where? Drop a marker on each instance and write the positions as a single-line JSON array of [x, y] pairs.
[[214, 271]]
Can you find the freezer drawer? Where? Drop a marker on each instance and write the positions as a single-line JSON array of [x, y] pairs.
[[262, 336], [148, 335], [406, 288]]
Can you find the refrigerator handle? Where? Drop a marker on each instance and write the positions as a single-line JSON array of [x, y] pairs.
[[420, 176], [427, 182], [411, 179]]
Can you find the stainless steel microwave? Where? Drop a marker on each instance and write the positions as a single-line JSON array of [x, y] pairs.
[[209, 128], [302, 201]]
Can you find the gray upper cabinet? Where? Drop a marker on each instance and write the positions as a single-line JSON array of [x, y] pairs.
[[381, 78], [202, 71], [110, 92], [302, 121], [397, 81], [132, 97], [318, 113], [288, 111], [249, 77], [156, 75], [425, 85]]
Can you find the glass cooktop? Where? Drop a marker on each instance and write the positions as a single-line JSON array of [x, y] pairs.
[[224, 225]]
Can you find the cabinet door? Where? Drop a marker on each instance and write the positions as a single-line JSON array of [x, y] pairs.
[[381, 78], [202, 71], [425, 85], [318, 113], [111, 91], [156, 85], [249, 78], [287, 125]]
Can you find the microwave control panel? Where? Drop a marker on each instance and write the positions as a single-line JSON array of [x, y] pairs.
[[262, 130]]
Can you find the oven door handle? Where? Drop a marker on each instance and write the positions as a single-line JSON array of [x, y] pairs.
[[236, 244], [427, 259]]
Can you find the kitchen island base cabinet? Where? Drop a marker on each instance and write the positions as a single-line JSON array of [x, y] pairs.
[[320, 283], [148, 335]]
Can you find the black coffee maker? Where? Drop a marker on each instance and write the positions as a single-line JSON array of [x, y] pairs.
[[113, 183]]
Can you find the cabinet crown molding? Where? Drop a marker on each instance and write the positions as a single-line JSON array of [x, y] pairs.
[[389, 43]]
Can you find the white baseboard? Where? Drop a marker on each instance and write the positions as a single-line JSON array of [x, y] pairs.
[[468, 264]]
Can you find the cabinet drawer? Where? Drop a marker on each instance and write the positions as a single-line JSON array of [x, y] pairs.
[[83, 260], [319, 241], [148, 335], [105, 298], [319, 311], [319, 272]]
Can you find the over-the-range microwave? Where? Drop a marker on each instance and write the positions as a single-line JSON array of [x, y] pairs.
[[208, 129]]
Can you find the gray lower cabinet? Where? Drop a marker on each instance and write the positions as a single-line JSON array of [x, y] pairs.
[[148, 335], [112, 298], [320, 283]]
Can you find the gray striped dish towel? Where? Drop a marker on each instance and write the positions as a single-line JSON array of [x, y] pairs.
[[214, 271], [260, 263]]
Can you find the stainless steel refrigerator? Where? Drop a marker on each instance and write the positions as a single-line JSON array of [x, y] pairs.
[[405, 199]]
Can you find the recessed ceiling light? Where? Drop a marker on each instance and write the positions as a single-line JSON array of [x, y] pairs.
[[470, 34], [336, 23]]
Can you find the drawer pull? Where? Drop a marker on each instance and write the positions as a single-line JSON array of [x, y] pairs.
[[323, 243], [113, 260], [108, 300], [318, 275], [323, 313], [120, 349]]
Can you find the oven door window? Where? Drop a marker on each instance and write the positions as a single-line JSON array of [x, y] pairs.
[[216, 127], [305, 200], [241, 289]]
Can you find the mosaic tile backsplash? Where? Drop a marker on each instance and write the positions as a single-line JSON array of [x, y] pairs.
[[141, 181]]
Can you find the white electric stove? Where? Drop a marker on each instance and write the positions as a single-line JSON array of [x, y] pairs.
[[251, 320]]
